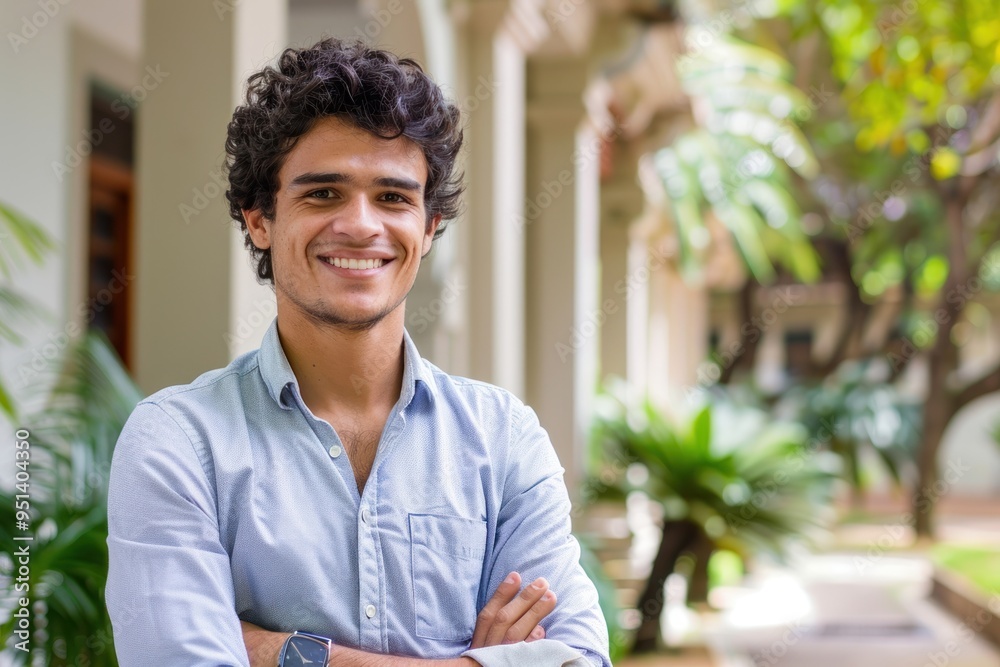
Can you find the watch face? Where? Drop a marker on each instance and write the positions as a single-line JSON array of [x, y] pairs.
[[304, 651]]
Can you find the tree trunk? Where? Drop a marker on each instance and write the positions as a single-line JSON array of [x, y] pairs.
[[939, 406], [702, 551], [750, 335], [678, 537], [928, 491]]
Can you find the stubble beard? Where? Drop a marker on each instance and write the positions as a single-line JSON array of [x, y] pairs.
[[326, 317]]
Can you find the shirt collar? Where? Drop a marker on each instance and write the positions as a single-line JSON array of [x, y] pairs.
[[279, 378]]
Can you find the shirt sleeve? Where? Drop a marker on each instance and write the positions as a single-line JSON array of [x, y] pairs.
[[534, 538], [170, 593]]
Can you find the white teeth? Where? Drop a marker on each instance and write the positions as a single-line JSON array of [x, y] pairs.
[[355, 263]]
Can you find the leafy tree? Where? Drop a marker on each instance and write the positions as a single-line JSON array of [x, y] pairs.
[[904, 120], [911, 194]]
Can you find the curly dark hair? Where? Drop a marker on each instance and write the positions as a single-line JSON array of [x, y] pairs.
[[373, 89]]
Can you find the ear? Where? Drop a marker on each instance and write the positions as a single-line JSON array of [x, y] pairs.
[[429, 235], [258, 227]]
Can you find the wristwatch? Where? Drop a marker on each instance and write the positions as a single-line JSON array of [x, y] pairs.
[[302, 648]]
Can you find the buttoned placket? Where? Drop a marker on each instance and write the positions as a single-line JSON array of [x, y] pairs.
[[371, 603], [374, 628], [369, 579]]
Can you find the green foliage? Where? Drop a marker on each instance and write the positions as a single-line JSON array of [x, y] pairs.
[[71, 444], [907, 67], [980, 564], [725, 568], [915, 107], [606, 595], [737, 163], [851, 412], [20, 240], [750, 483]]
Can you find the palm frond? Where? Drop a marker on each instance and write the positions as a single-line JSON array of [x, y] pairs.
[[761, 493], [73, 440], [19, 238], [736, 164]]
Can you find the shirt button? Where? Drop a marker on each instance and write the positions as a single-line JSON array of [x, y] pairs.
[[335, 451], [370, 610], [365, 515]]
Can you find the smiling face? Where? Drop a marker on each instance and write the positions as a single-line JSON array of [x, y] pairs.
[[349, 228]]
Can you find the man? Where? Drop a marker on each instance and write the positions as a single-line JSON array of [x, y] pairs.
[[332, 497]]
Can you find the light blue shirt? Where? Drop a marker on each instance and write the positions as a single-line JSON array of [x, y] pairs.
[[230, 500]]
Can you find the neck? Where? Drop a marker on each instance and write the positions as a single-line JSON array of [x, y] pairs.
[[341, 370]]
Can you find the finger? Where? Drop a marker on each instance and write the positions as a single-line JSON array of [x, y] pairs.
[[522, 629], [514, 610], [505, 592], [536, 634]]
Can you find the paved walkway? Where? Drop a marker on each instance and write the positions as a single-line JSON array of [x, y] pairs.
[[864, 603], [844, 610]]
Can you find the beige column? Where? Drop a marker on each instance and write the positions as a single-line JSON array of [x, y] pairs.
[[686, 343], [495, 40], [639, 314], [192, 285], [622, 202], [560, 227]]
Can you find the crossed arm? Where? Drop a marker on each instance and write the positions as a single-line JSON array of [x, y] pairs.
[[170, 592], [512, 615]]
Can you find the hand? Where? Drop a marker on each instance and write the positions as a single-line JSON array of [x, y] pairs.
[[510, 617]]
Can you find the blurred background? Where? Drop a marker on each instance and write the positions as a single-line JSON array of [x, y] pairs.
[[743, 259]]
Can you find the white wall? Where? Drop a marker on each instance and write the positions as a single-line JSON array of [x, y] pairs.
[[42, 73]]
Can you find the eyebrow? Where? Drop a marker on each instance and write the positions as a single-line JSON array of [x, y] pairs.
[[332, 178]]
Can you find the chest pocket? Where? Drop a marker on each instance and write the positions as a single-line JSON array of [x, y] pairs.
[[447, 555]]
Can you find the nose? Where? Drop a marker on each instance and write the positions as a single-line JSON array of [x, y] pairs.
[[357, 219]]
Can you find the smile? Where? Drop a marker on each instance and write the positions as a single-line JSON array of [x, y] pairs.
[[358, 264]]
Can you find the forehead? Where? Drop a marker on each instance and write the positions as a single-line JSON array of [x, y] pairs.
[[334, 145]]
